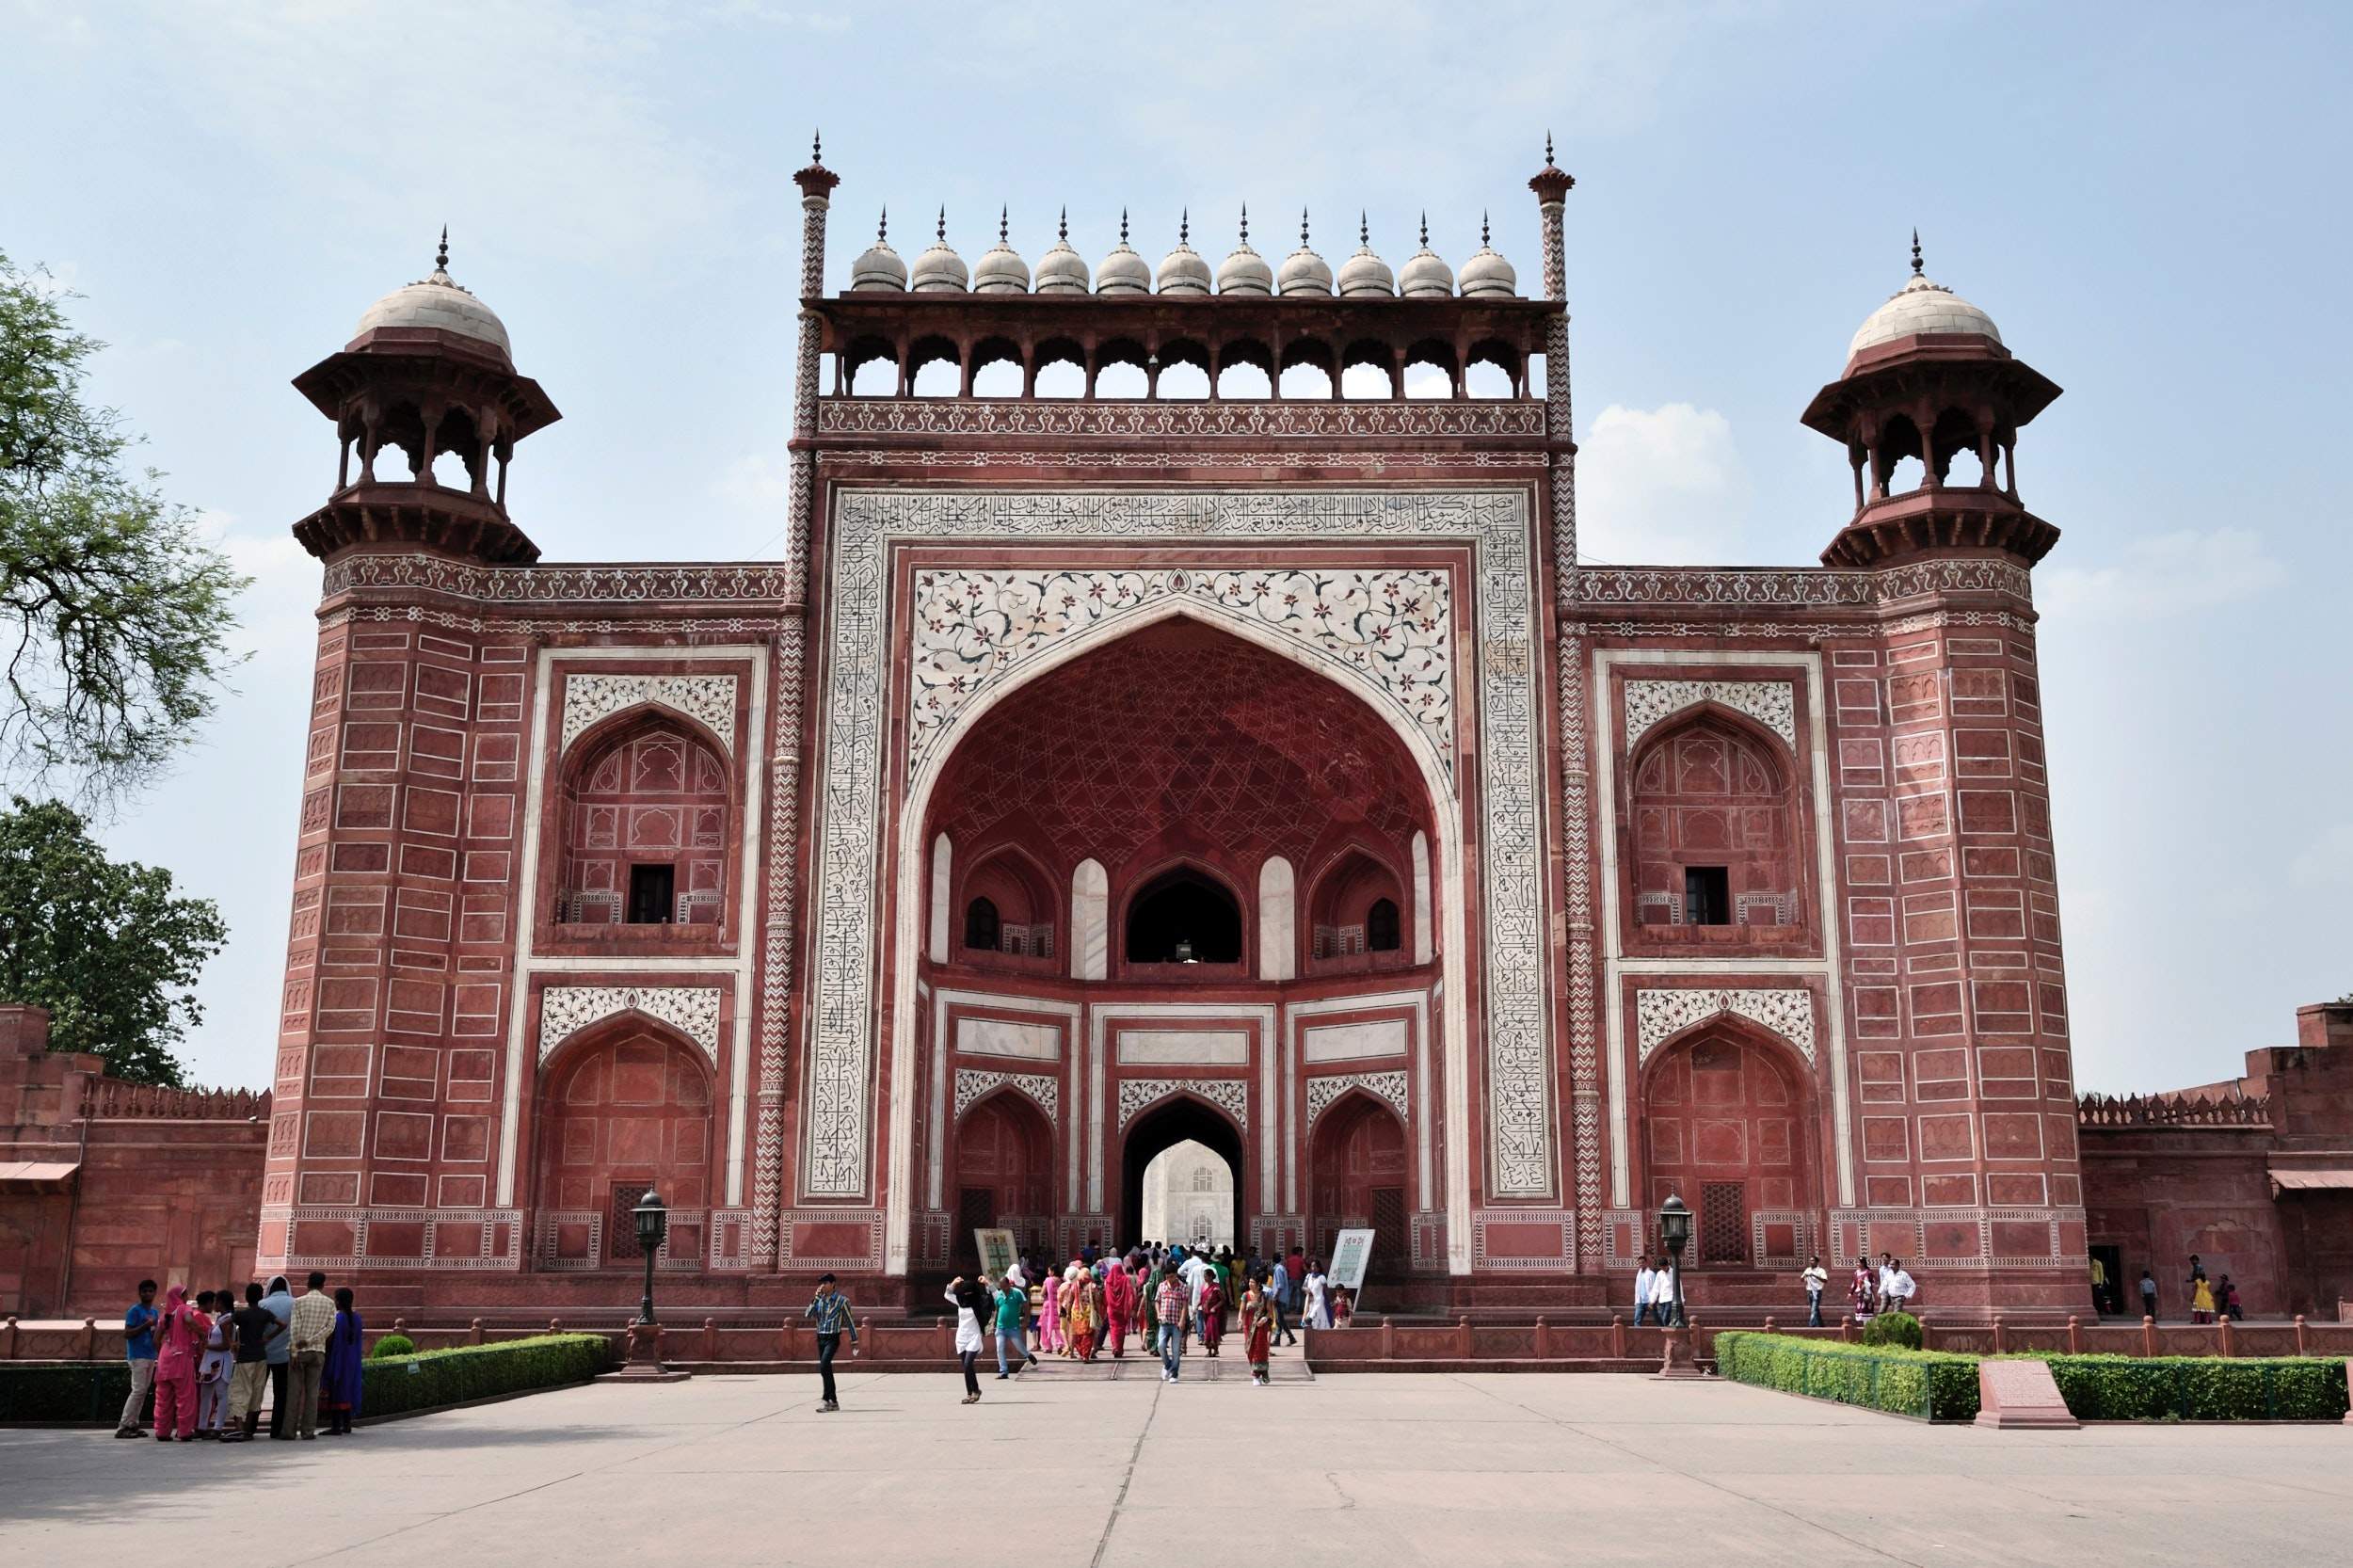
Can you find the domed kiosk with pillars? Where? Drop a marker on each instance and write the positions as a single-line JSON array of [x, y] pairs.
[[1196, 757]]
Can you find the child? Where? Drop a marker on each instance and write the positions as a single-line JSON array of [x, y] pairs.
[[1343, 1308]]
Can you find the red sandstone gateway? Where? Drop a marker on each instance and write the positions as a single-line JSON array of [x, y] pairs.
[[1094, 773]]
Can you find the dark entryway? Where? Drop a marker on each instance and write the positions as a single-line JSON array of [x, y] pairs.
[[1171, 1122], [1183, 915], [652, 892]]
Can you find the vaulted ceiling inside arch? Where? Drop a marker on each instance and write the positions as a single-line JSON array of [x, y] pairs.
[[1183, 739]]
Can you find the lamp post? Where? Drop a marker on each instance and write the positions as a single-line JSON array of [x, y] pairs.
[[653, 1223], [1674, 1229]]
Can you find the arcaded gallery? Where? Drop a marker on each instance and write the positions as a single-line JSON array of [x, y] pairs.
[[1179, 719]]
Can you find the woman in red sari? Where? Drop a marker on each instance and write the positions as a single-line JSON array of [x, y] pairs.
[[1119, 1307], [1210, 1310], [1258, 1332]]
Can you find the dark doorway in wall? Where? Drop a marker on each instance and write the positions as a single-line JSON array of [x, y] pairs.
[[1182, 914], [652, 894], [1706, 895]]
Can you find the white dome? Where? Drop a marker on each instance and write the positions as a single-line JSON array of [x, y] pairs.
[[880, 269], [1123, 271], [1303, 270], [1183, 270], [1365, 273], [1486, 274], [1425, 274], [938, 269], [438, 302], [1921, 305], [1062, 270], [1000, 268], [1245, 271]]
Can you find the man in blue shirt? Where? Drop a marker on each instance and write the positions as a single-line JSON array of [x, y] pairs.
[[138, 1347], [279, 1303]]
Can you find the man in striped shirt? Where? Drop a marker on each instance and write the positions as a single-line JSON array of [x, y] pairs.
[[832, 1311], [314, 1320]]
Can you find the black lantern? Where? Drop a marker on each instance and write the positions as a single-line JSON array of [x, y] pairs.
[[1674, 1231], [653, 1223]]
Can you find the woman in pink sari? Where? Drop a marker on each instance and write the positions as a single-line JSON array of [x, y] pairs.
[[179, 1337], [1050, 1316], [1119, 1307]]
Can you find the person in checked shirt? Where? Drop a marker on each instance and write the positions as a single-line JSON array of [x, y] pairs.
[[314, 1320], [832, 1311]]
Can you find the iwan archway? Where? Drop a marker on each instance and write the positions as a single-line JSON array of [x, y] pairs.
[[1183, 753]]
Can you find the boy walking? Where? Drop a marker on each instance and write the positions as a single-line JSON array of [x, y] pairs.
[[832, 1311]]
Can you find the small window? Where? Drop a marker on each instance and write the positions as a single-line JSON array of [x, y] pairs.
[[980, 929], [651, 889], [1706, 895], [1380, 926]]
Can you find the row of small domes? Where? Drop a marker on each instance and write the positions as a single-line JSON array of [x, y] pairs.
[[1183, 271]]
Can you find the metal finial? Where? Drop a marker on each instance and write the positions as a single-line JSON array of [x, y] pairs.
[[1425, 230], [1063, 231], [1184, 226], [1001, 225], [1915, 253], [882, 230], [1245, 223], [1547, 149], [441, 262], [1364, 229], [1482, 230], [1123, 226], [817, 147], [1303, 228], [941, 232]]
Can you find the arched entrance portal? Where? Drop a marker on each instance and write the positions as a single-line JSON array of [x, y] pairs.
[[1357, 1167], [619, 1115], [1729, 1128], [1175, 1121], [1004, 1167]]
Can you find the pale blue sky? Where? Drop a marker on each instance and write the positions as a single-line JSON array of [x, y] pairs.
[[2147, 198]]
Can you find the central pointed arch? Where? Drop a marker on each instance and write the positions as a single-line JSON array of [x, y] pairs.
[[914, 812]]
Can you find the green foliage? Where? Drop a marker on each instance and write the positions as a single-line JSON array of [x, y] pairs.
[[103, 944], [1899, 1329], [391, 1385], [2200, 1388], [71, 1393], [114, 610], [1934, 1385], [393, 1345]]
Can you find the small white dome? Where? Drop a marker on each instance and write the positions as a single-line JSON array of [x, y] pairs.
[[1921, 305], [1365, 273], [1000, 268], [1425, 274], [1183, 270], [1486, 274], [880, 269], [441, 303], [1123, 271], [1303, 270], [1062, 270], [1245, 271], [938, 269]]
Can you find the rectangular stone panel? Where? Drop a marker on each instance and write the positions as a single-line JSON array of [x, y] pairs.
[[1002, 1038], [1183, 1047], [1350, 1042]]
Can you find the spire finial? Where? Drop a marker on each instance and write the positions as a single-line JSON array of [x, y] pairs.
[[882, 230], [1425, 229], [1547, 149], [1482, 230], [1915, 253], [1303, 228], [817, 147], [1184, 227], [1001, 225], [1064, 233], [941, 232], [441, 262], [1123, 226], [1245, 223], [1364, 229]]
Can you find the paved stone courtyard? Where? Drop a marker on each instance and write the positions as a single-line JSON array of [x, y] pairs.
[[1471, 1470]]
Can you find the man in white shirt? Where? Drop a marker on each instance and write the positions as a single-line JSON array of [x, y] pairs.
[[1898, 1289], [1887, 1282], [1645, 1279], [1817, 1280]]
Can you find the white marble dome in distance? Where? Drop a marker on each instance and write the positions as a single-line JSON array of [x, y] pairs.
[[1303, 271], [1000, 268], [1486, 274], [881, 269], [439, 302], [1245, 271], [1425, 274], [940, 269], [1062, 270], [1185, 270], [1123, 271], [1365, 273], [1921, 305]]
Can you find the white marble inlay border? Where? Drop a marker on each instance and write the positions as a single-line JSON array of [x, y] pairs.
[[1228, 1093], [1323, 1092], [1659, 1016], [972, 1085], [692, 1010]]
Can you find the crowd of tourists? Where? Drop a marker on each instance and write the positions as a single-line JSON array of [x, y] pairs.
[[1168, 1297], [207, 1363]]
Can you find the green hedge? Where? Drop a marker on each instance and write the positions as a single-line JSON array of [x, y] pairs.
[[1940, 1386], [2200, 1388], [91, 1393], [1932, 1386], [392, 1384]]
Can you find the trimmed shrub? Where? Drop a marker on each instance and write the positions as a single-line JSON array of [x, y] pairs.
[[2200, 1388], [1932, 1386], [389, 1385], [393, 1345], [63, 1393], [1899, 1329]]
